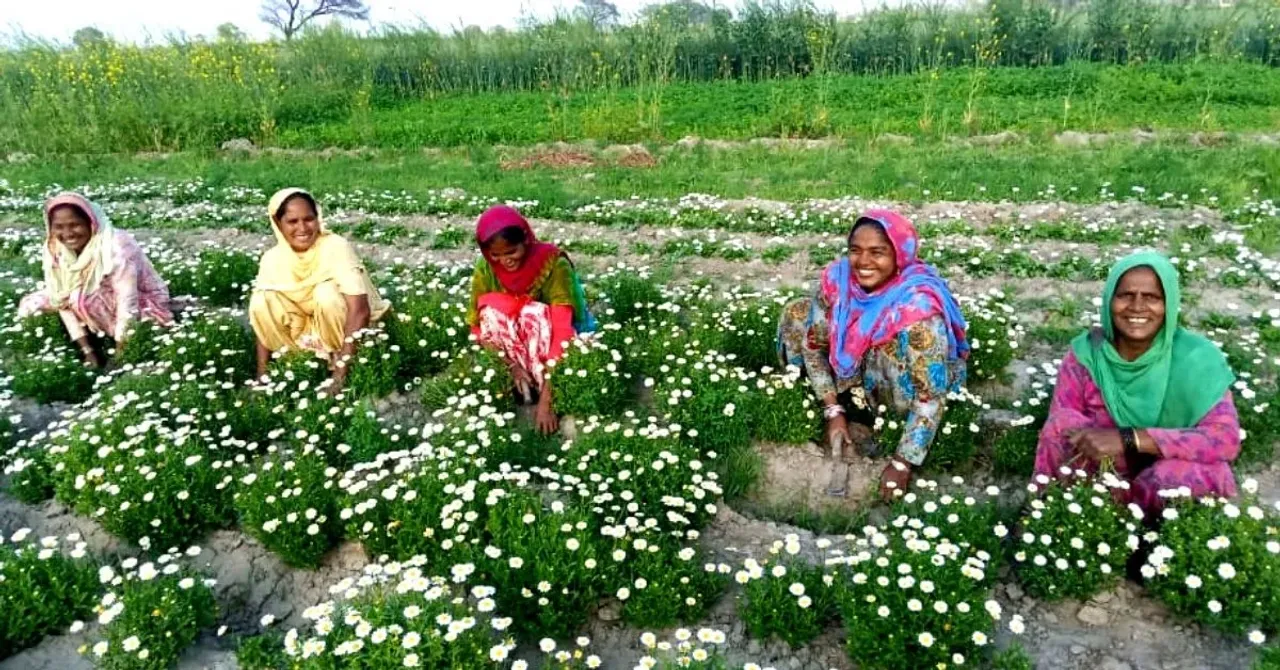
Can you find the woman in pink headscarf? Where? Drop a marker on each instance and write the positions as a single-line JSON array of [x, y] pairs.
[[95, 277], [526, 302], [882, 321]]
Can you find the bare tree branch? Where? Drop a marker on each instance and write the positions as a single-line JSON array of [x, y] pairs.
[[290, 16]]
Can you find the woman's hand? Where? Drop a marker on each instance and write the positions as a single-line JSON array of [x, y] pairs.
[[1097, 444], [544, 417], [838, 427], [91, 357], [895, 479]]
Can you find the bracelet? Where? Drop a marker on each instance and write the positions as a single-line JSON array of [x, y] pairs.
[[832, 411], [1130, 440]]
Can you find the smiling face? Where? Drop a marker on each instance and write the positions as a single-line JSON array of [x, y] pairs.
[[299, 223], [1138, 309], [507, 254], [872, 257], [70, 226]]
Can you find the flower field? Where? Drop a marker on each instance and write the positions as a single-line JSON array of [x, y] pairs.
[[172, 511]]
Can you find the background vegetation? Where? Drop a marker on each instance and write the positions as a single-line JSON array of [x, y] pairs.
[[571, 76]]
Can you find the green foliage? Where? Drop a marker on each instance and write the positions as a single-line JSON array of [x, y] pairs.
[[473, 370], [1219, 563], [52, 377], [214, 339], [428, 326], [791, 600], [1073, 541], [151, 616], [1012, 658], [376, 365], [628, 295], [262, 652], [590, 379], [287, 501], [993, 335], [221, 277], [41, 591]]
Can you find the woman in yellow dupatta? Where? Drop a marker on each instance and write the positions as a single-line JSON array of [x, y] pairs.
[[312, 291]]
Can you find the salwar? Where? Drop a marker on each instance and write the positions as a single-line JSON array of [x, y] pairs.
[[317, 324], [527, 334]]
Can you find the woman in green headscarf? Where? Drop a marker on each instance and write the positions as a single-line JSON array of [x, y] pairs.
[[1145, 393]]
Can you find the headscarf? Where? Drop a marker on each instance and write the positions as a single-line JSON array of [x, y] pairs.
[[859, 320], [72, 277], [537, 254], [1173, 384], [296, 274]]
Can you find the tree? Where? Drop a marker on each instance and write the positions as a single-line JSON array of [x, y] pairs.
[[230, 32], [87, 37], [680, 13], [598, 12], [289, 16]]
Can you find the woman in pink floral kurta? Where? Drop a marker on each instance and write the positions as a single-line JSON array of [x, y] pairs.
[[1145, 394], [95, 277]]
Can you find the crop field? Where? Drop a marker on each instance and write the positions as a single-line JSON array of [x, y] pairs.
[[171, 511]]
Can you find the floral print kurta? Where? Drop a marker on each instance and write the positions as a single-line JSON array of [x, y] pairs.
[[1197, 458], [910, 375]]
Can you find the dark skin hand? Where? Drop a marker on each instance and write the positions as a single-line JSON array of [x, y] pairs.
[[895, 479], [544, 417], [1096, 444], [91, 357]]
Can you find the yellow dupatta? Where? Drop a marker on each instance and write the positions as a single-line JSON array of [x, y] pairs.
[[295, 275]]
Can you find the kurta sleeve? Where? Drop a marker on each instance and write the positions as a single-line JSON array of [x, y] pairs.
[[558, 287], [125, 282], [923, 346], [815, 344], [1066, 413], [1216, 439], [480, 284]]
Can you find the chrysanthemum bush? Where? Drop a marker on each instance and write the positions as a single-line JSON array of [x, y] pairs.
[[376, 366], [1014, 449], [994, 334], [917, 592], [403, 615], [786, 598], [1074, 539], [287, 502], [472, 369], [215, 338], [628, 293], [744, 325], [1259, 414], [144, 478], [590, 379], [221, 277], [45, 584], [150, 613], [428, 320], [1218, 562], [41, 363], [700, 650]]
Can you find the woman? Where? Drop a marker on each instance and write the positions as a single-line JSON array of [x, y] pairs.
[[96, 277], [312, 291], [883, 320], [526, 302], [1142, 392]]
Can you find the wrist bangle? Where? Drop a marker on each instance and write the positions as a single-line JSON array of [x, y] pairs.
[[832, 411]]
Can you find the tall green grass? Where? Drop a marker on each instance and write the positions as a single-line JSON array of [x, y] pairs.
[[111, 97]]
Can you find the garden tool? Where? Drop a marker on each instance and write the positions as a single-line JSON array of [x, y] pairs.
[[838, 479]]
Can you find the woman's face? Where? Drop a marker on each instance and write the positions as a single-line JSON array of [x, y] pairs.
[[299, 225], [872, 256], [71, 227], [1137, 308], [506, 254]]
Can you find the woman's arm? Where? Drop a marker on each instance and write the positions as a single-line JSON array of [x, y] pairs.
[[1216, 439], [816, 350], [124, 280], [358, 313]]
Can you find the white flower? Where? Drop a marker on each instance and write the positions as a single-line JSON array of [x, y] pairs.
[[1257, 637], [1226, 571], [411, 640], [1215, 606], [100, 649], [547, 645], [267, 620], [411, 661], [979, 638], [1194, 582], [925, 640], [797, 589]]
